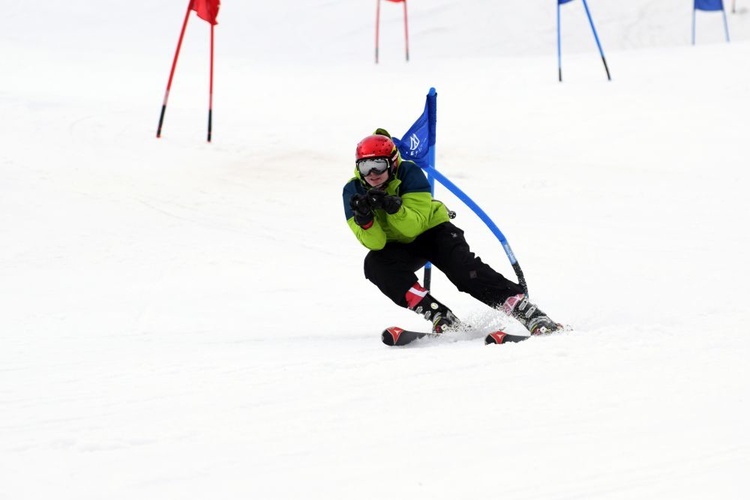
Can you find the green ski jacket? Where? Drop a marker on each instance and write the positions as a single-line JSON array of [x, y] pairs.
[[418, 213]]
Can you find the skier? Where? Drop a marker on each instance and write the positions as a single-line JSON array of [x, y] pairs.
[[390, 209]]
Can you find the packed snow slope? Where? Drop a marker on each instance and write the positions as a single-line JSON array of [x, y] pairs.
[[190, 320]]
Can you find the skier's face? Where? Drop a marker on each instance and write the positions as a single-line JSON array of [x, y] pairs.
[[376, 180]]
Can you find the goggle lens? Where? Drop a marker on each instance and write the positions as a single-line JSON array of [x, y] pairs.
[[368, 166]]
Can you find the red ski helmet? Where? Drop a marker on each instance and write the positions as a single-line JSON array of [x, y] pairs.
[[379, 146]]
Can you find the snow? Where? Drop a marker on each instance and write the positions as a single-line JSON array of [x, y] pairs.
[[190, 320]]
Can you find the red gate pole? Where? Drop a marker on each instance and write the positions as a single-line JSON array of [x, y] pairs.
[[211, 86], [406, 32], [171, 73], [377, 31]]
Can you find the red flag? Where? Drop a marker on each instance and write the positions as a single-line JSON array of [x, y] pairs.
[[396, 1], [206, 9]]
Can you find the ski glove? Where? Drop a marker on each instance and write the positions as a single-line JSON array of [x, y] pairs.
[[380, 199], [363, 215]]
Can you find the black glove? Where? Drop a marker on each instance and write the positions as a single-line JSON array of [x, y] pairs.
[[380, 199], [363, 215]]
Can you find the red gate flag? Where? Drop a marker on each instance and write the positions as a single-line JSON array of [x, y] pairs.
[[206, 9], [396, 1]]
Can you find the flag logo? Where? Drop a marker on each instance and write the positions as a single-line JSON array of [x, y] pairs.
[[414, 142]]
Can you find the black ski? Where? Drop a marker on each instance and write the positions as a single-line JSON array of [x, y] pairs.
[[395, 336], [398, 336], [500, 337]]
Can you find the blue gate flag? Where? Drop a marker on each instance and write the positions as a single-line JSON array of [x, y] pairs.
[[563, 1], [709, 5], [420, 138], [418, 145]]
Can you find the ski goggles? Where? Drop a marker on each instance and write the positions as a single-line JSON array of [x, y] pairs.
[[369, 166]]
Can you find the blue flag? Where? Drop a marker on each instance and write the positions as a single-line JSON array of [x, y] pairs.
[[418, 145], [563, 1], [709, 5], [416, 142]]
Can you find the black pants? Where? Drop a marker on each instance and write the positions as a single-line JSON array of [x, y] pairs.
[[393, 268]]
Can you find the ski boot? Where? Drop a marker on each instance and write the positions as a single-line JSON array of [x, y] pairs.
[[529, 315], [442, 318], [420, 301]]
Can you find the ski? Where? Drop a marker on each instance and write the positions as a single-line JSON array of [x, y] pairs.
[[500, 337], [395, 336]]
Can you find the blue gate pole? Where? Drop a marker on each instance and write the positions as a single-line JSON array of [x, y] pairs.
[[726, 27], [559, 51], [693, 24], [432, 119], [486, 219], [596, 37]]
